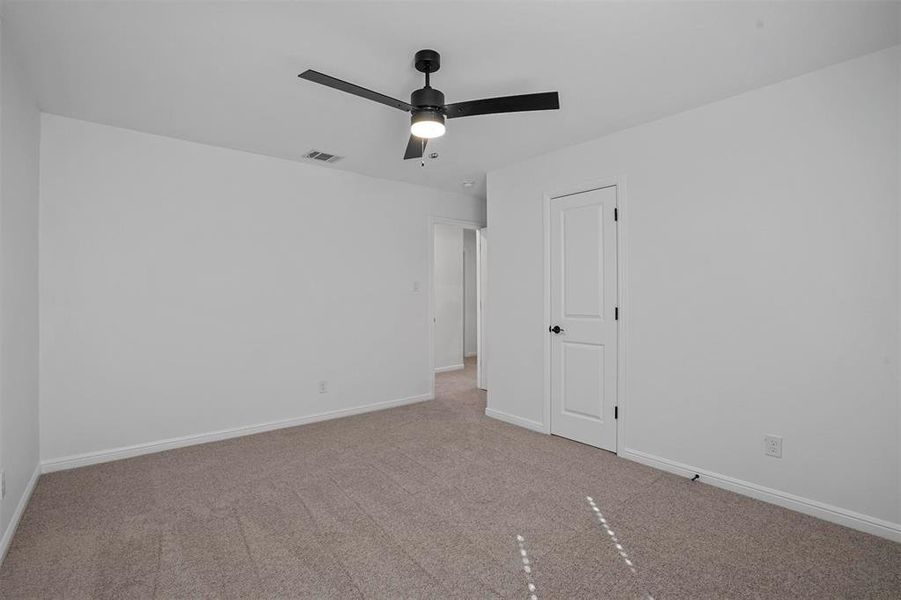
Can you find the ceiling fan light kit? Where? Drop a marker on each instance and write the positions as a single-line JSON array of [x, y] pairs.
[[427, 124], [427, 108]]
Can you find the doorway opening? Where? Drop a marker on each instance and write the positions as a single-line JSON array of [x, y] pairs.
[[457, 292]]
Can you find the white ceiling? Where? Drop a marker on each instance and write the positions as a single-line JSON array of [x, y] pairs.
[[226, 73]]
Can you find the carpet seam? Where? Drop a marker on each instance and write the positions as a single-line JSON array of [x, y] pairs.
[[378, 525], [253, 561], [469, 539], [326, 547]]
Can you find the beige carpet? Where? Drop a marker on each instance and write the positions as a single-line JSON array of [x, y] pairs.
[[432, 500]]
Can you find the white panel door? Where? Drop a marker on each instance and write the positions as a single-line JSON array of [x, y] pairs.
[[583, 280]]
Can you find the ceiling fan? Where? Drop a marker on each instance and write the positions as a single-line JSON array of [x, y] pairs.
[[427, 105]]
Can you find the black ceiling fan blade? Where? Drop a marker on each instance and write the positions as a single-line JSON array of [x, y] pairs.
[[415, 147], [350, 88], [505, 104]]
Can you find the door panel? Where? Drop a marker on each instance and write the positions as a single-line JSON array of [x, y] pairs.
[[583, 285], [583, 374], [583, 280]]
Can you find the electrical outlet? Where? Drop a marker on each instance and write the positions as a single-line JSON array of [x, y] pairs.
[[772, 446], [323, 387]]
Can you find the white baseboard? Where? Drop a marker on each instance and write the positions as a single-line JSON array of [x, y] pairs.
[[470, 354], [449, 368], [17, 515], [814, 508], [514, 420], [102, 456]]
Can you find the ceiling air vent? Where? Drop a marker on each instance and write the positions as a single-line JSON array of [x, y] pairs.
[[322, 156]]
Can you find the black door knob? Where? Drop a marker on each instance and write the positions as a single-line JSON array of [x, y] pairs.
[[555, 329]]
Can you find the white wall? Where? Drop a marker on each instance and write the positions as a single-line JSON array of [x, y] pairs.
[[448, 277], [187, 289], [470, 298], [19, 140], [762, 268]]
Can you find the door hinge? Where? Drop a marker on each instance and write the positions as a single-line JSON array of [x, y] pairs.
[[615, 412], [616, 314], [616, 214]]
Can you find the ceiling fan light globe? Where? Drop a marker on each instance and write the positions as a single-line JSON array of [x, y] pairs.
[[428, 129], [427, 125]]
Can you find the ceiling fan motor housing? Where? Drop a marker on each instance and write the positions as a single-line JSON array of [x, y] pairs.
[[427, 98]]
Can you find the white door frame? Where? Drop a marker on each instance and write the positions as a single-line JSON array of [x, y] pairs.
[[481, 299], [431, 283], [622, 296]]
